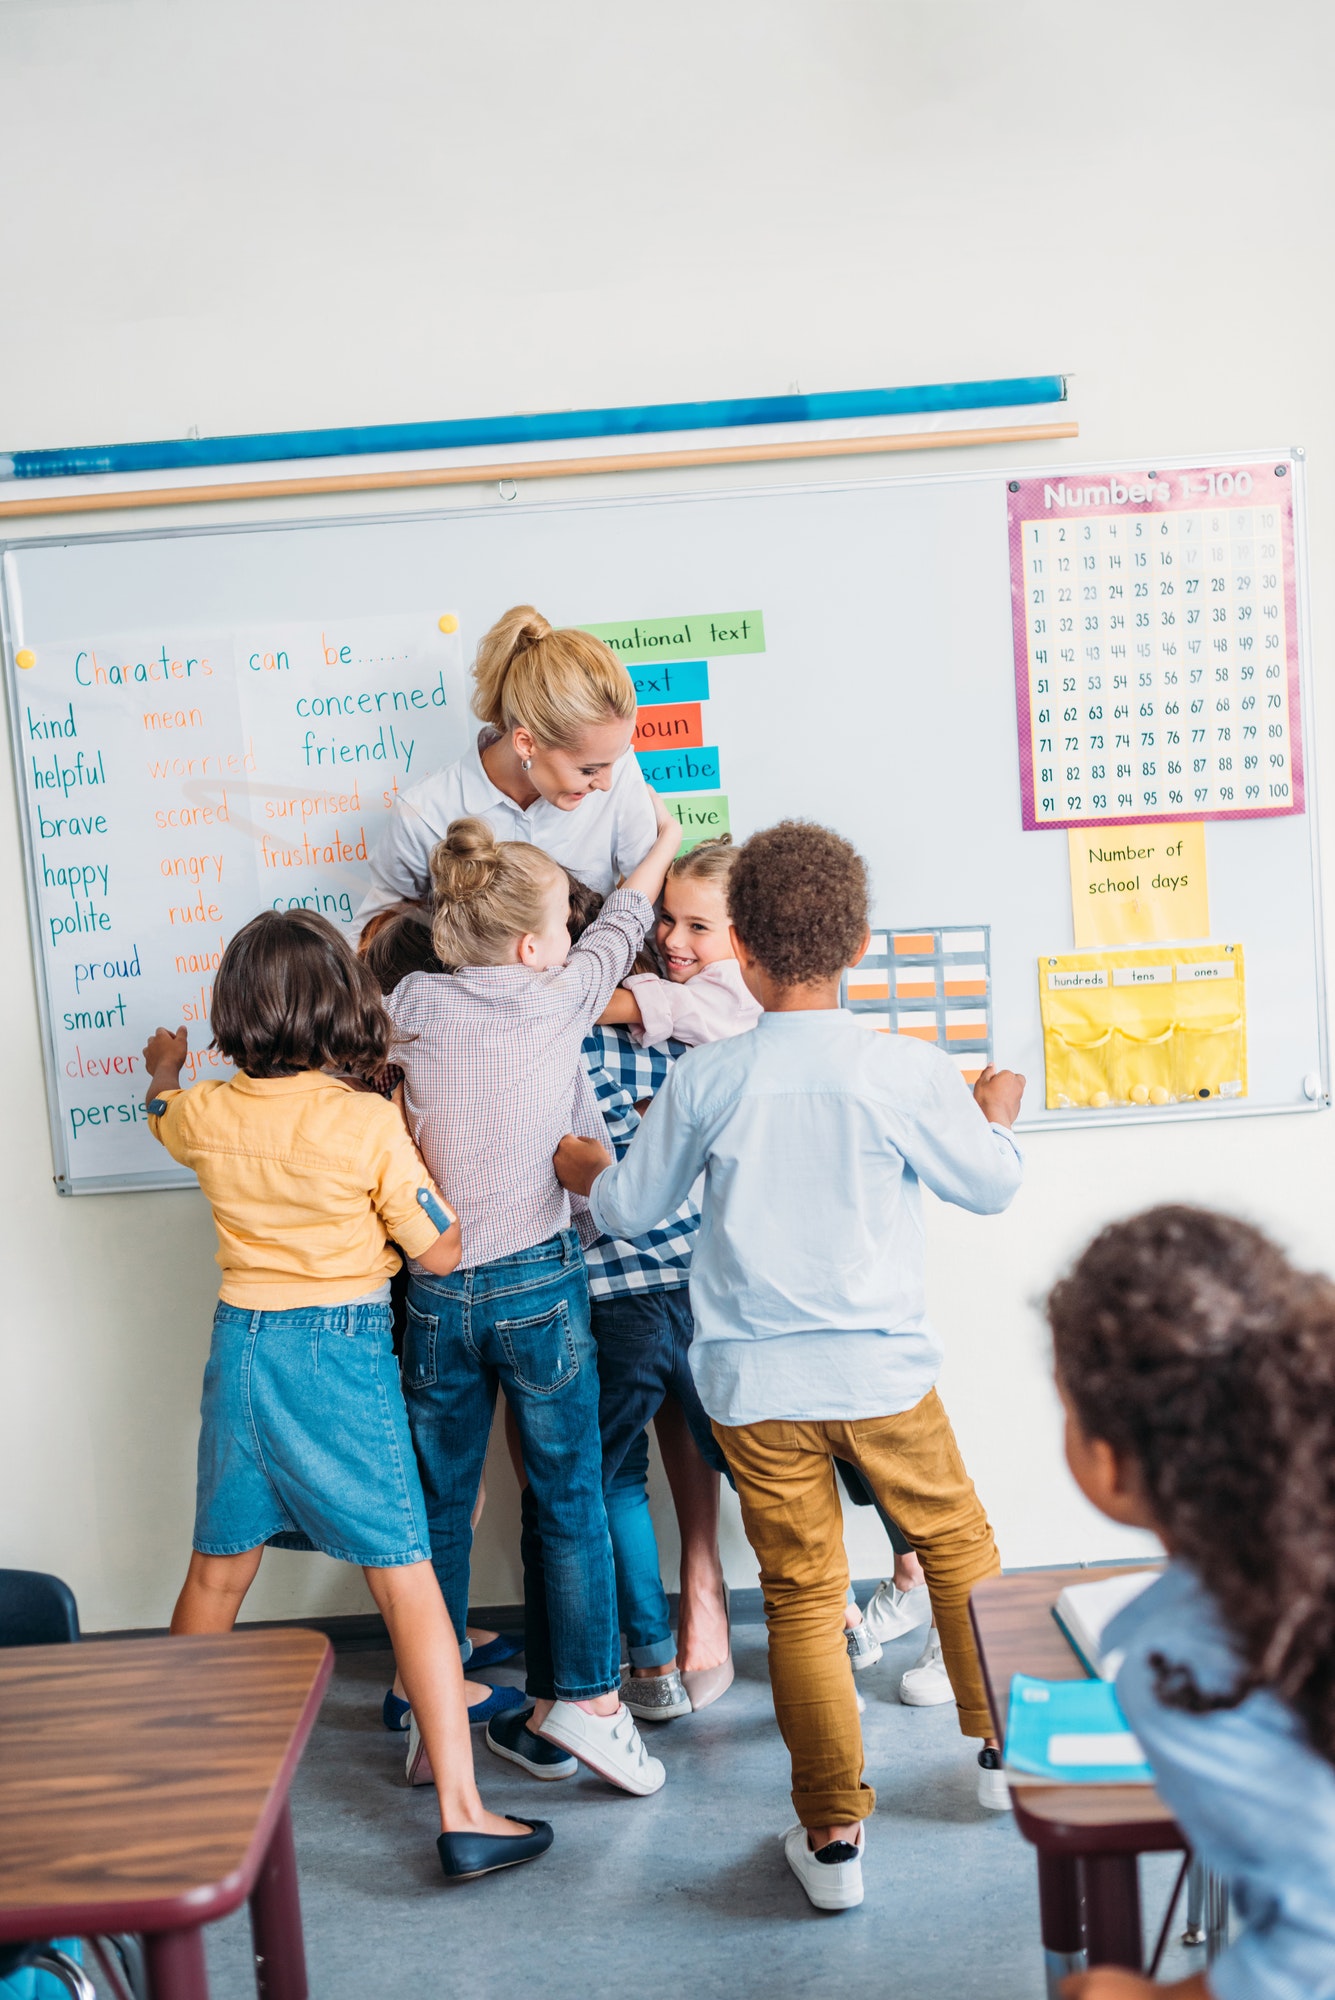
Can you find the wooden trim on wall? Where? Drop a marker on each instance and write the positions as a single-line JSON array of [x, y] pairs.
[[313, 485]]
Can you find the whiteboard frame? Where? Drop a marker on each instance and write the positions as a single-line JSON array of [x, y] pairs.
[[1123, 1117]]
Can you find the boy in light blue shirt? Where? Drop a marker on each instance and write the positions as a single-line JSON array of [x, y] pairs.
[[807, 1288]]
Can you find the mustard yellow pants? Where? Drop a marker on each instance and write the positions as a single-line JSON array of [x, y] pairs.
[[794, 1522]]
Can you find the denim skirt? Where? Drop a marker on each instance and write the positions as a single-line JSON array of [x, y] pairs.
[[305, 1440]]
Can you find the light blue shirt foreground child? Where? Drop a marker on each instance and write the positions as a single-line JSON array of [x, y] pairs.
[[813, 1134], [1196, 1368], [1252, 1796]]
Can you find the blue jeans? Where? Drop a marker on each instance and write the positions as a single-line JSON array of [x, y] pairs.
[[643, 1341], [521, 1322]]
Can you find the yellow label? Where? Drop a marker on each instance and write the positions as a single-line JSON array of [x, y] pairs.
[[1138, 884]]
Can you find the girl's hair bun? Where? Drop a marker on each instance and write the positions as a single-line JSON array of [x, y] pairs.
[[487, 894], [469, 838], [463, 865]]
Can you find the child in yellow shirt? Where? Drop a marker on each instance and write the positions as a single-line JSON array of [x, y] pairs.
[[304, 1440]]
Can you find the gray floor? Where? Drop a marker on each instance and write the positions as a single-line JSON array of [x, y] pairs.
[[685, 1893]]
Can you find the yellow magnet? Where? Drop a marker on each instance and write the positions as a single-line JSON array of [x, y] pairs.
[[25, 659], [1159, 1095], [1100, 1100], [449, 623], [1140, 1093]]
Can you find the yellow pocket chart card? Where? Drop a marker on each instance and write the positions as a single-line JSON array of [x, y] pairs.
[[932, 984], [1137, 1028]]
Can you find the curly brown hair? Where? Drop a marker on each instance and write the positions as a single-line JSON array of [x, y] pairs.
[[1189, 1343], [797, 896]]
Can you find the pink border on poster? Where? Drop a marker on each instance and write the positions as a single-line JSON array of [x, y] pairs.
[[1026, 500]]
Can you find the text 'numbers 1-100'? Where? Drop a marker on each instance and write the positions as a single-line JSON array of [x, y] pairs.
[[1155, 654]]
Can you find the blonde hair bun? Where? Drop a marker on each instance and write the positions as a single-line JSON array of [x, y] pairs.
[[555, 683], [464, 864], [487, 893]]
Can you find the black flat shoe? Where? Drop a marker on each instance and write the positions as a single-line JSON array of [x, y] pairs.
[[464, 1856]]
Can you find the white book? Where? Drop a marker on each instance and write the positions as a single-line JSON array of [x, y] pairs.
[[1085, 1610]]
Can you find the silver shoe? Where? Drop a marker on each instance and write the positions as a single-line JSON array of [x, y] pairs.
[[655, 1697]]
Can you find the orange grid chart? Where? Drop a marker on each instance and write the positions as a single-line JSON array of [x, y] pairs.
[[933, 983]]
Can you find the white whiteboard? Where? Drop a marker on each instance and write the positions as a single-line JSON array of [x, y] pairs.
[[883, 704]]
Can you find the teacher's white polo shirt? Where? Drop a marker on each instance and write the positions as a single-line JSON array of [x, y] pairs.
[[602, 839]]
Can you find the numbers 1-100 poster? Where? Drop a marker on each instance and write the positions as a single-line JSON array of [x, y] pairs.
[[1156, 645]]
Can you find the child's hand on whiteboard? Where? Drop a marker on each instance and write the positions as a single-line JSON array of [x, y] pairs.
[[997, 1094], [578, 1163], [164, 1056]]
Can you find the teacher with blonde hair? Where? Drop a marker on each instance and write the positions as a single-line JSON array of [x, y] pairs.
[[552, 765]]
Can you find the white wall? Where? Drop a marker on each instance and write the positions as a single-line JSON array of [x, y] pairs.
[[308, 212]]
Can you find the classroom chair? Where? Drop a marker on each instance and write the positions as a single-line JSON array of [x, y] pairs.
[[39, 1610], [37, 1960], [36, 1609]]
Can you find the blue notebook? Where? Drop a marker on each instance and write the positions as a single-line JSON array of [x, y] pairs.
[[1071, 1733]]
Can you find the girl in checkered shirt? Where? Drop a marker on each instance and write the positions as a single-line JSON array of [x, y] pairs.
[[493, 1077]]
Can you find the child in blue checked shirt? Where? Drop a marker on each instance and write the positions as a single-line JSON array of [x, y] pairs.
[[641, 1317]]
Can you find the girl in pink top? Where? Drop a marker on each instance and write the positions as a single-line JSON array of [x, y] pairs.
[[703, 998]]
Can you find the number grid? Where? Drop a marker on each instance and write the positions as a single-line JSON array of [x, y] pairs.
[[1156, 647]]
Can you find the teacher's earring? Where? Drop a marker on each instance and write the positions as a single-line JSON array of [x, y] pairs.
[[527, 764]]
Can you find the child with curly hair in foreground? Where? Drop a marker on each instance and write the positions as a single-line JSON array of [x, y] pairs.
[[1197, 1370]]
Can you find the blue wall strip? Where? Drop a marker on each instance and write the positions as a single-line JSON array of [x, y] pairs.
[[633, 421]]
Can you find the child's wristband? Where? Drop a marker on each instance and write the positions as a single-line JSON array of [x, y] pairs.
[[435, 1211]]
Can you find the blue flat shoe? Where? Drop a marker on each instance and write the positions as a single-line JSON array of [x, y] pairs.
[[498, 1702], [465, 1856], [394, 1713], [505, 1646], [509, 1736]]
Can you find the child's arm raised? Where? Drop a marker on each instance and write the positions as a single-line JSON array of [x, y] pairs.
[[649, 877], [606, 951], [164, 1059]]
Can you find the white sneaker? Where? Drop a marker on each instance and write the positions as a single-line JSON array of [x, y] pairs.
[[608, 1744], [890, 1613], [993, 1791], [927, 1684], [830, 1885]]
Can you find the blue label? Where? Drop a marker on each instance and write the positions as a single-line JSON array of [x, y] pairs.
[[681, 770], [435, 1211], [675, 680]]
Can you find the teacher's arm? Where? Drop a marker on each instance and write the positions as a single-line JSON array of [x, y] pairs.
[[401, 862]]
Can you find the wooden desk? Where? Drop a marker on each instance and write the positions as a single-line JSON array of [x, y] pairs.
[[144, 1787], [1087, 1836]]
